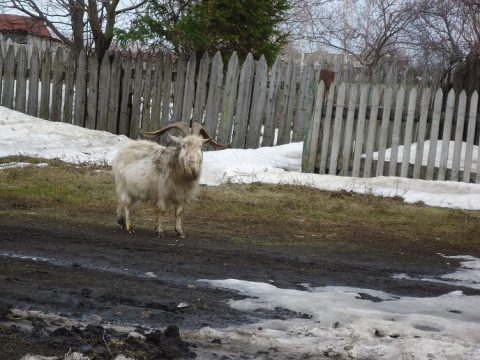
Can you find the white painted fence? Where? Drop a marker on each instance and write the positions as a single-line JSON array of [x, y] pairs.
[[366, 130]]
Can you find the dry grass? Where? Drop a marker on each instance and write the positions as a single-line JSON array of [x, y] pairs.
[[255, 214]]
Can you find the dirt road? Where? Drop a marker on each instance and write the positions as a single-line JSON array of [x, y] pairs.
[[103, 275]]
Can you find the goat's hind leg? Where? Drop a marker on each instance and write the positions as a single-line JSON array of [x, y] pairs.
[[178, 222], [123, 217], [160, 214]]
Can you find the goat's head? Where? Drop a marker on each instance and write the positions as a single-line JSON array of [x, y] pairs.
[[189, 146]]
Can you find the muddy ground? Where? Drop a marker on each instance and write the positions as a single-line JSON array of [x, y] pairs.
[[100, 275]]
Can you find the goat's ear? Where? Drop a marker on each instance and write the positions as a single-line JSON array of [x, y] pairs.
[[176, 139]]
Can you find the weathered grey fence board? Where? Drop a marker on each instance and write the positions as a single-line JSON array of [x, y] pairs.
[[157, 94], [57, 86], [201, 93], [114, 95], [33, 78], [272, 97], [337, 130], [382, 146], [214, 94], [243, 103], [284, 127], [362, 113], [103, 94], [349, 127], [372, 130], [472, 116], [1, 71], [327, 124], [447, 128], [397, 123], [422, 130], [308, 99], [457, 147], [21, 76], [225, 125], [179, 86], [137, 97], [407, 142], [45, 88], [9, 80], [311, 146], [80, 90], [147, 96], [189, 95], [124, 120], [297, 132], [166, 91], [432, 151], [69, 87], [92, 93], [258, 103]]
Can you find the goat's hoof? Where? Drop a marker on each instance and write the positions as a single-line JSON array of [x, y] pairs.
[[160, 234], [180, 235], [131, 231]]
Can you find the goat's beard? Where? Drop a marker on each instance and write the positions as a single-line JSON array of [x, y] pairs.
[[192, 171]]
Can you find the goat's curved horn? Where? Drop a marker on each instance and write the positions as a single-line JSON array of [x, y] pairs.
[[200, 130], [183, 127]]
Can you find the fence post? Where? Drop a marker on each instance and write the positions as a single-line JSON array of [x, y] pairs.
[[447, 129], [457, 148], [21, 88], [57, 86], [214, 94], [312, 135], [189, 89], [258, 103], [80, 90], [407, 143], [157, 93], [92, 92], [9, 79], [422, 129], [33, 77], [114, 95], [432, 149], [225, 127], [179, 86], [337, 130], [201, 92], [103, 94], [137, 97], [372, 130], [359, 134], [382, 146], [45, 88], [69, 84], [349, 127], [270, 112], [243, 102], [472, 117], [147, 96], [124, 121]]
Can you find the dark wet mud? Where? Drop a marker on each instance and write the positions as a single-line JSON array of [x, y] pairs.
[[100, 277]]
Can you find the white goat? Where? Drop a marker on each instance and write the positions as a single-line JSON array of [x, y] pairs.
[[162, 176]]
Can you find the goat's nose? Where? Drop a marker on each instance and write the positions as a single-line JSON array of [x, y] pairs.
[[192, 158]]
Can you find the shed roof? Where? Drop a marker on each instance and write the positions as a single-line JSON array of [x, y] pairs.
[[24, 24]]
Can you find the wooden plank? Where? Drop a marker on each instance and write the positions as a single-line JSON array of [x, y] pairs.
[[103, 94], [308, 99], [187, 108], [157, 93], [201, 93], [69, 87], [147, 97], [472, 117], [360, 130], [447, 129], [337, 130], [125, 98], [372, 130], [45, 88], [243, 103], [214, 95], [2, 63], [457, 147], [92, 92], [21, 88], [407, 142], [288, 99], [225, 126], [298, 117], [348, 137], [80, 90], [137, 97], [33, 79], [167, 91], [258, 104], [179, 85], [9, 78], [422, 131], [382, 146], [272, 103], [310, 152], [57, 86], [432, 151], [327, 123], [397, 124], [114, 95]]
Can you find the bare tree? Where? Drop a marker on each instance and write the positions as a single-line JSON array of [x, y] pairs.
[[78, 23]]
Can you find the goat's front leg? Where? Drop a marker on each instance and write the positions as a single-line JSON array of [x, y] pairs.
[[160, 215], [128, 221], [178, 222]]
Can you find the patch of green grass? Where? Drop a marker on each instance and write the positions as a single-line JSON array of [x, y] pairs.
[[254, 214]]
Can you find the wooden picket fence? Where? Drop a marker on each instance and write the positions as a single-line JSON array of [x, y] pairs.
[[243, 104], [353, 127]]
